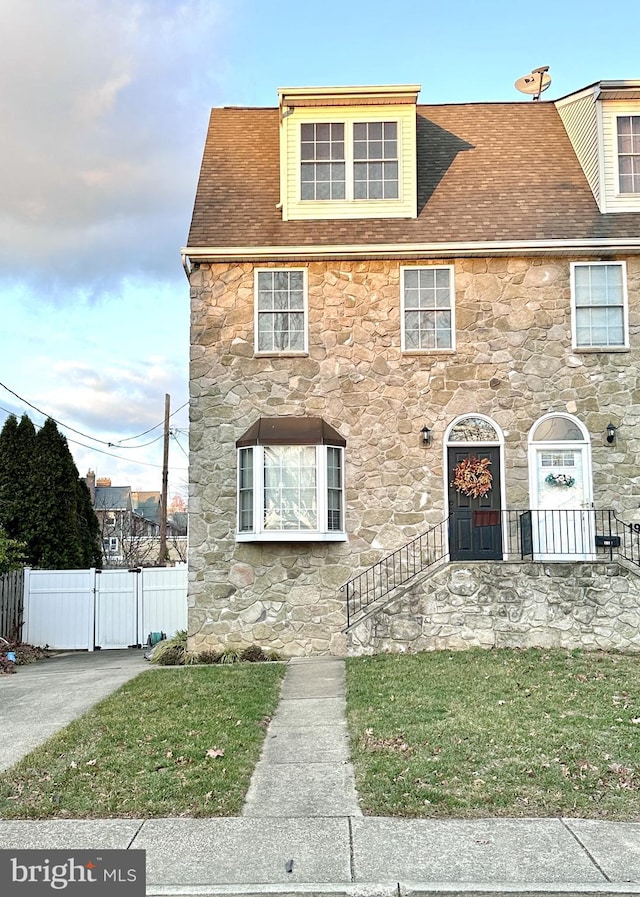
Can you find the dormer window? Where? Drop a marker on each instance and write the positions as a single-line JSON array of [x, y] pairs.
[[375, 155], [348, 152], [629, 153], [352, 161], [322, 167]]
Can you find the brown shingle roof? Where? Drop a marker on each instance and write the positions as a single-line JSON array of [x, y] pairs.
[[486, 171]]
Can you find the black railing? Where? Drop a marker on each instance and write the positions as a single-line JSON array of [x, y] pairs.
[[555, 534], [394, 570], [539, 535]]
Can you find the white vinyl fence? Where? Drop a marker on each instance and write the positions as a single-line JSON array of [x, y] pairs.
[[87, 609]]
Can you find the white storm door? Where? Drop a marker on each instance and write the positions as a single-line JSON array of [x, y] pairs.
[[563, 524]]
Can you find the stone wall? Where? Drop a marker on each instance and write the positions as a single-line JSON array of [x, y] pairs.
[[509, 605], [513, 362]]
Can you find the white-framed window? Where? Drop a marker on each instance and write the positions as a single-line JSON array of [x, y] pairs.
[[112, 544], [599, 304], [428, 308], [281, 310], [375, 160], [628, 128], [349, 160], [290, 492], [322, 166]]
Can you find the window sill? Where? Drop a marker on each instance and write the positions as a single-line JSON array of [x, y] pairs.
[[288, 354], [428, 351], [601, 350], [291, 536]]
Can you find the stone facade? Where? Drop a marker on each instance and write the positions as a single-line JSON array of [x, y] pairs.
[[509, 605], [513, 362]]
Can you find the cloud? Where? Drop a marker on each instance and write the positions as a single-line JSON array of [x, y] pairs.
[[101, 136]]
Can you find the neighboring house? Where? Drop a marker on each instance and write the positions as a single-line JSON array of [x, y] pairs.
[[389, 300], [130, 525]]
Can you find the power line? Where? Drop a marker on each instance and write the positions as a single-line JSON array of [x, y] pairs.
[[161, 424], [177, 441], [87, 435], [92, 448]]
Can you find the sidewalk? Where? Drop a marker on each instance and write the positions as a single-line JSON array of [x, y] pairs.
[[301, 831]]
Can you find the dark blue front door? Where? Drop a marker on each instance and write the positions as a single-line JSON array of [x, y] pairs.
[[475, 524]]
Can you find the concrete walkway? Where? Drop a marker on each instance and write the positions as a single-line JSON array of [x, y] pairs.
[[301, 832], [305, 769]]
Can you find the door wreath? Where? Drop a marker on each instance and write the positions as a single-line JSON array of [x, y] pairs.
[[472, 477]]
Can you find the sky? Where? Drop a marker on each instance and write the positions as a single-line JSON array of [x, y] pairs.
[[104, 106]]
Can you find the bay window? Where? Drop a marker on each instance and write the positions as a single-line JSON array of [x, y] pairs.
[[291, 481]]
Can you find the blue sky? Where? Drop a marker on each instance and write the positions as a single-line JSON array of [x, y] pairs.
[[103, 111]]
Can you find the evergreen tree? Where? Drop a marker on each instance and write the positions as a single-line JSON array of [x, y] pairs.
[[89, 528], [11, 553], [43, 502], [17, 453], [56, 536]]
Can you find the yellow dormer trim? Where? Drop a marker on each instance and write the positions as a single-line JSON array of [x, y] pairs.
[[347, 106]]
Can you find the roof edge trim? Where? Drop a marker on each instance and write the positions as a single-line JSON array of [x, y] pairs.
[[196, 254]]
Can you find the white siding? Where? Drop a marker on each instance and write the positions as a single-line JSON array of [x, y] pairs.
[[406, 206], [616, 201], [581, 124]]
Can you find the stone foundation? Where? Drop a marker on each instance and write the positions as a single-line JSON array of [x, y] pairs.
[[509, 605]]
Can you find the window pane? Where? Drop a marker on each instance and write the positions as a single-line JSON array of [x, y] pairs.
[[599, 305], [373, 142], [334, 489], [473, 429], [290, 488], [629, 153], [245, 496], [411, 277], [320, 179], [427, 289], [557, 429], [281, 319]]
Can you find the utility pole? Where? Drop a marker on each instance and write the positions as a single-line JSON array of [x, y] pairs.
[[162, 555]]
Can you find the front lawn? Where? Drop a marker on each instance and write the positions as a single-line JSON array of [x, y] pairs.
[[496, 733], [178, 741]]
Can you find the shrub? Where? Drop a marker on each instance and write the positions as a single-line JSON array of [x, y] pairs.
[[171, 652]]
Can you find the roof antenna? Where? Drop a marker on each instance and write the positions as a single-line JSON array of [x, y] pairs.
[[535, 83]]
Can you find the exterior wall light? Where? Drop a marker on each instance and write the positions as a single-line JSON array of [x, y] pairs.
[[611, 433], [426, 435]]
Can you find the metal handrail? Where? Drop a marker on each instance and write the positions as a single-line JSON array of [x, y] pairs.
[[541, 535], [392, 571]]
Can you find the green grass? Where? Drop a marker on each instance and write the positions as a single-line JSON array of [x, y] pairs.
[[496, 733], [143, 752]]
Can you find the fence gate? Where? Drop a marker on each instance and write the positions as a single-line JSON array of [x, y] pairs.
[[87, 609], [117, 609]]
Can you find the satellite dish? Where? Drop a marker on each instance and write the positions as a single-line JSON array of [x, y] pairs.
[[535, 83]]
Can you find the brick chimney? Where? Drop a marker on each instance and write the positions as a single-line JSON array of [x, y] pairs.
[[103, 481], [90, 480]]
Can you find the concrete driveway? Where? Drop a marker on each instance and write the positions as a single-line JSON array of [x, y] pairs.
[[41, 698]]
